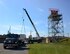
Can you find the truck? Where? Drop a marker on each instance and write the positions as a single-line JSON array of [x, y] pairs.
[[13, 41]]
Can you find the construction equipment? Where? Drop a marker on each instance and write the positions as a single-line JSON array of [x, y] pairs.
[[13, 41], [23, 27], [38, 36], [9, 31], [32, 22]]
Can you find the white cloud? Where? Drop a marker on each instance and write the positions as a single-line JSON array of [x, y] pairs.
[[17, 29], [40, 9], [38, 22], [32, 33], [41, 33], [14, 28]]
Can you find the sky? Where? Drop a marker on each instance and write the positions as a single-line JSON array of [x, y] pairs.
[[11, 14]]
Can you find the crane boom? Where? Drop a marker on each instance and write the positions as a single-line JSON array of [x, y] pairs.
[[31, 22]]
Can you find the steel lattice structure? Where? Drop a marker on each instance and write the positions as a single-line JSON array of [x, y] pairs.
[[55, 25]]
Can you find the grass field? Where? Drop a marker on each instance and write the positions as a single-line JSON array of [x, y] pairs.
[[50, 48]]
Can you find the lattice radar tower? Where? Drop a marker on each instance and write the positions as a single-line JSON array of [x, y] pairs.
[[55, 25]]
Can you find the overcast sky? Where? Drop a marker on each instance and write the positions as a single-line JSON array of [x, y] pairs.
[[11, 13]]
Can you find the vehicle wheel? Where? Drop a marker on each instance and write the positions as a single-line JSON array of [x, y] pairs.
[[4, 47]]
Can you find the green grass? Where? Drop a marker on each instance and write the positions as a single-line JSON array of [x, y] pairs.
[[65, 41], [50, 48]]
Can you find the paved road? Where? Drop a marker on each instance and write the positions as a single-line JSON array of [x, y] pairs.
[[13, 51]]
